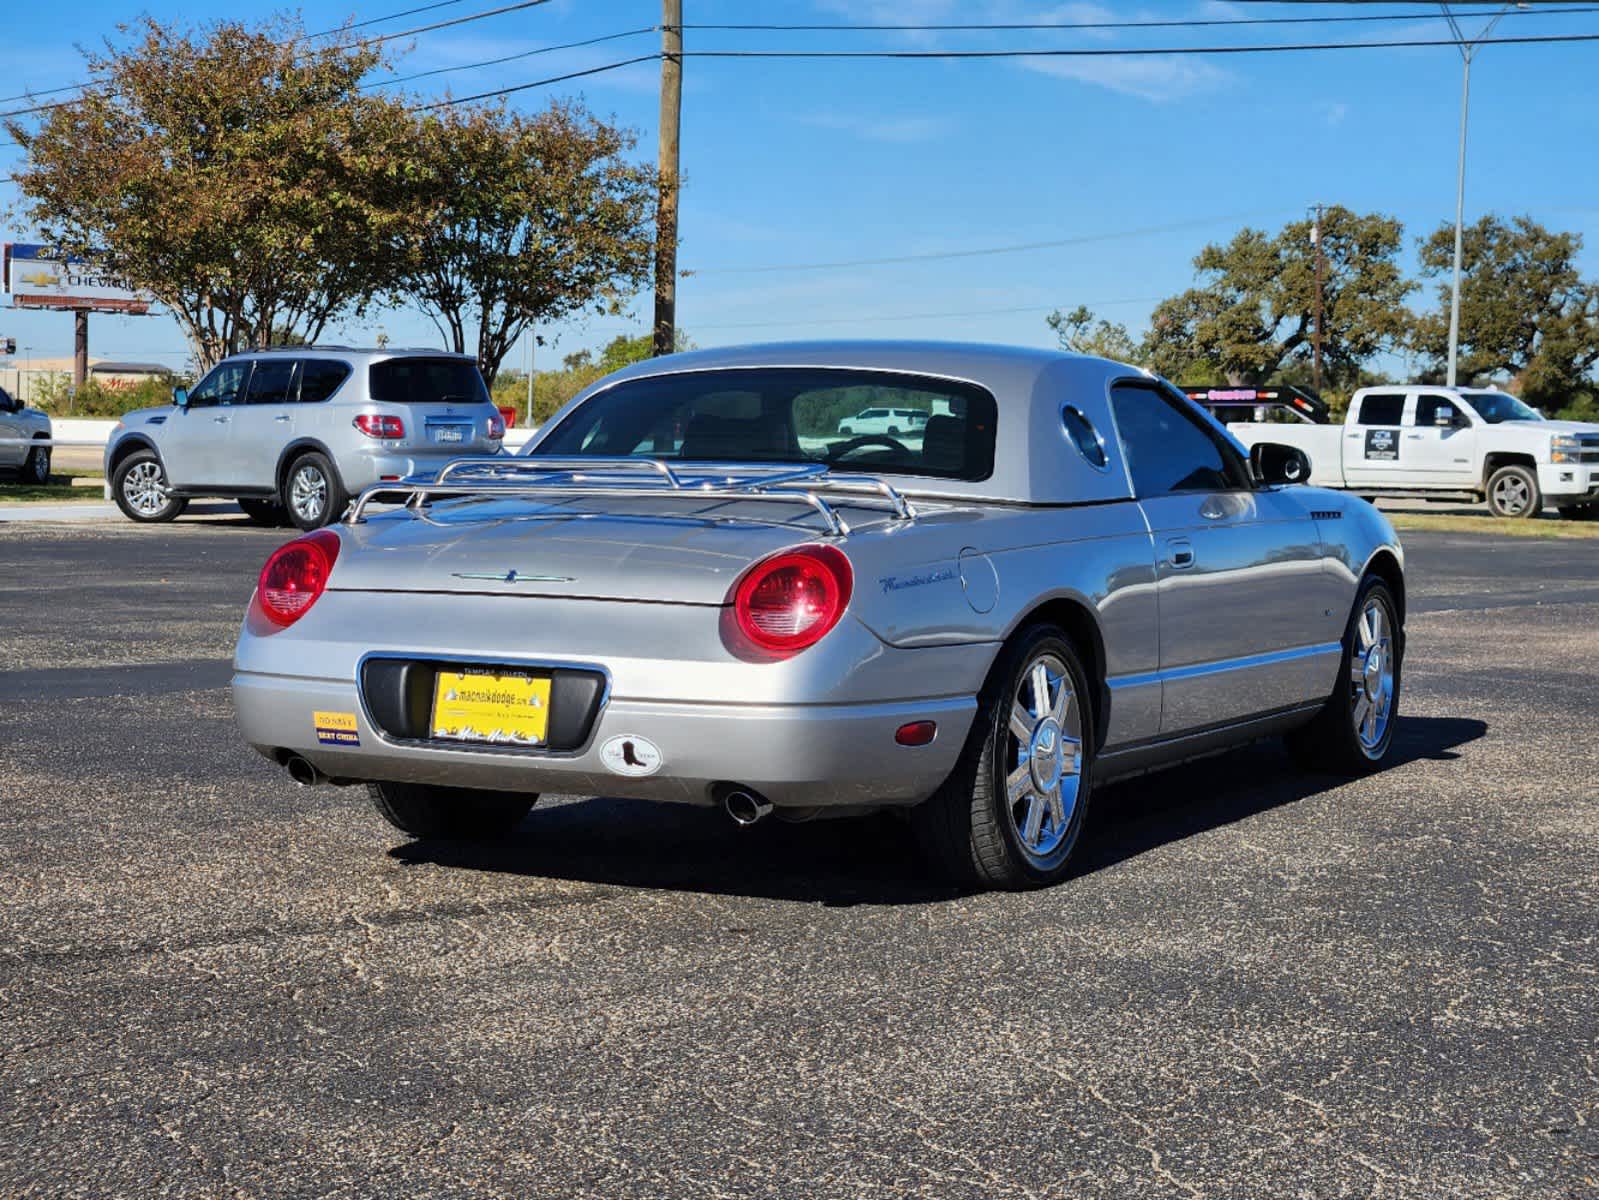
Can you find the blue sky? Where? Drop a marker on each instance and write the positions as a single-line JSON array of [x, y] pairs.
[[1136, 162]]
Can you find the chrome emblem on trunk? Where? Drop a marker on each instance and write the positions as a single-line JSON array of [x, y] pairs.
[[512, 576]]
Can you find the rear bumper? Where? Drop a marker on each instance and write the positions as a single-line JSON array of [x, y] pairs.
[[369, 466], [795, 755]]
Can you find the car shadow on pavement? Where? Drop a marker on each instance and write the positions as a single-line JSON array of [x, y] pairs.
[[873, 860]]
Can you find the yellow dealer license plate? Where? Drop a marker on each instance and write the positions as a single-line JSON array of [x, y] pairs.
[[505, 708]]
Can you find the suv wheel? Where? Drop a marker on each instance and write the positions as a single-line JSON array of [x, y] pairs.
[[264, 512], [312, 493], [37, 468], [1355, 729], [139, 486], [1513, 492], [1010, 813], [450, 813]]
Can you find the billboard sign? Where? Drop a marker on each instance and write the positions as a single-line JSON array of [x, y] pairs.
[[44, 277]]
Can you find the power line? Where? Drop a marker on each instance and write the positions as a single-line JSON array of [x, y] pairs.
[[923, 316], [1014, 26], [494, 62], [1084, 239], [1138, 51], [371, 41], [522, 87]]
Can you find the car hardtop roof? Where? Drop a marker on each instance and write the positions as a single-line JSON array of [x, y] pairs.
[[1034, 460]]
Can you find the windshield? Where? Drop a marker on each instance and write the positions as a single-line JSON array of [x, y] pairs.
[[789, 414], [426, 381], [1495, 407]]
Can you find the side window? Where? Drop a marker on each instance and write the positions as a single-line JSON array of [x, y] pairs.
[[1438, 411], [6, 403], [224, 385], [320, 378], [271, 382], [1168, 450], [1382, 409]]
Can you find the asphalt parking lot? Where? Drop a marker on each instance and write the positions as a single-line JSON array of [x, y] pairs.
[[1259, 984]]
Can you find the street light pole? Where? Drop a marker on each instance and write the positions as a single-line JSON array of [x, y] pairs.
[[1467, 49]]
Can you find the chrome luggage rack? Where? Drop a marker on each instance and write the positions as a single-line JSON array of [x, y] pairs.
[[805, 483]]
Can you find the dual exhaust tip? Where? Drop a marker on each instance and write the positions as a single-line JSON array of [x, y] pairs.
[[745, 807], [742, 806]]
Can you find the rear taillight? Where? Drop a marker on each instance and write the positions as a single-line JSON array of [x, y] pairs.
[[496, 428], [789, 601], [375, 425], [295, 575]]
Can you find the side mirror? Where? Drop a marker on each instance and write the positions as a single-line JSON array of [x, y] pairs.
[[1275, 463], [180, 397]]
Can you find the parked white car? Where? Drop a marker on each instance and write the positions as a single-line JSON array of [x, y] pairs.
[[892, 421], [19, 425], [1430, 441]]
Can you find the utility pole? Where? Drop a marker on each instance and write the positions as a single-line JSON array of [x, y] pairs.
[[530, 339], [1468, 47], [80, 348], [1315, 240], [666, 205]]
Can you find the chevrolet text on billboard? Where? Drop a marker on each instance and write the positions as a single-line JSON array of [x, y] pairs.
[[44, 277]]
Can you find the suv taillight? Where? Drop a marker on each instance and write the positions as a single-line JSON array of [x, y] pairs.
[[792, 599], [377, 426], [295, 575], [496, 427]]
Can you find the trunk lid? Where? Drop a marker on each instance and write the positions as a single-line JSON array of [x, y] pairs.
[[672, 549]]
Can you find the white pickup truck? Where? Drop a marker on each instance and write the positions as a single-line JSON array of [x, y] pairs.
[[1436, 442]]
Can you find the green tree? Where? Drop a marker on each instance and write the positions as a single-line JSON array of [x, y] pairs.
[[524, 219], [1081, 333], [239, 175], [1253, 311], [1526, 314]]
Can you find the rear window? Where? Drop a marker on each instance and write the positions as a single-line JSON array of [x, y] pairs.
[[1382, 410], [426, 381], [787, 414], [320, 378]]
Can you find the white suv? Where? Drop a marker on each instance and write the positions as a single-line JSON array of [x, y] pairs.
[[294, 433], [891, 421]]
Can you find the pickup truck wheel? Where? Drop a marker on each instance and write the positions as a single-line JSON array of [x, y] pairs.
[[265, 512], [312, 493], [449, 813], [1010, 813], [37, 468], [1513, 492], [139, 486], [1355, 729]]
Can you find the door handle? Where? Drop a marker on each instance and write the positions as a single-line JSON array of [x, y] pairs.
[[1414, 437], [219, 420], [1180, 554], [283, 417]]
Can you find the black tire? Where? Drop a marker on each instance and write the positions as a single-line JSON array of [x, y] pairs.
[[37, 467], [1330, 742], [1580, 512], [846, 430], [131, 489], [1513, 492], [330, 497], [447, 813], [265, 512], [968, 829], [893, 431]]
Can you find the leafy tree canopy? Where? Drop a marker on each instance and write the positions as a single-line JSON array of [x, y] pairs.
[[1081, 333], [239, 175]]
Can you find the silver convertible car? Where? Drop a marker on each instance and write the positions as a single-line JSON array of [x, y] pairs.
[[692, 588]]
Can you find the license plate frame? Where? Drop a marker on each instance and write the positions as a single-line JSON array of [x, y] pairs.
[[452, 435], [491, 706]]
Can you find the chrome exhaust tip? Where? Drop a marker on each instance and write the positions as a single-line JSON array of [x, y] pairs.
[[745, 808], [303, 773]]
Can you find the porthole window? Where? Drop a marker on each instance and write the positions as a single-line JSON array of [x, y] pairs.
[[1084, 436]]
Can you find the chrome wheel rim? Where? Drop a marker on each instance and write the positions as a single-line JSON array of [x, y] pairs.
[[1512, 495], [308, 493], [144, 489], [1043, 757], [1371, 675]]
